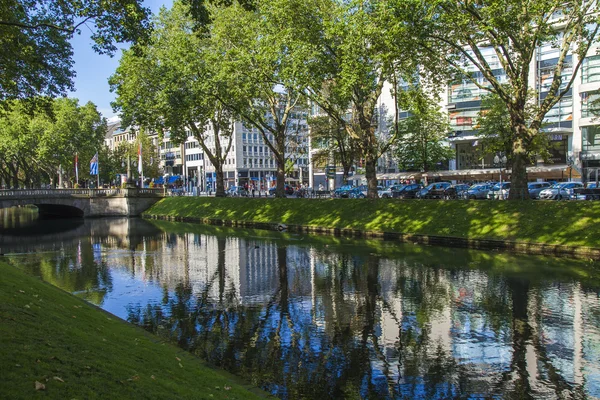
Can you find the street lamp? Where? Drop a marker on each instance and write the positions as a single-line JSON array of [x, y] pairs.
[[500, 161]]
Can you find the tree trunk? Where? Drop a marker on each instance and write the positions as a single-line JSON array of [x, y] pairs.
[[346, 173], [371, 175], [518, 178], [280, 189], [220, 184]]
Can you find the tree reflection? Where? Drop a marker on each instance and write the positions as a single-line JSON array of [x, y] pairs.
[[368, 327]]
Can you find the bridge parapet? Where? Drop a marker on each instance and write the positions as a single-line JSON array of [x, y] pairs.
[[79, 193]]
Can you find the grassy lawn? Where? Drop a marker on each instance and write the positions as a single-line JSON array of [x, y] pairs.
[[572, 223], [69, 349]]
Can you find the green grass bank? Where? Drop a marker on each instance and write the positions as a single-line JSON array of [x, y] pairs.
[[70, 349], [567, 223]]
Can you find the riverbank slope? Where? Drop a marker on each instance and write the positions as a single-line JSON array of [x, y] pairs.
[[558, 227], [55, 345]]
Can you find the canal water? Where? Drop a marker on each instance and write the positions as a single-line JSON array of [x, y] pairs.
[[322, 317]]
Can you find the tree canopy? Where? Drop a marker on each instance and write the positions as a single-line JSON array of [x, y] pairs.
[[491, 44], [36, 149], [37, 57]]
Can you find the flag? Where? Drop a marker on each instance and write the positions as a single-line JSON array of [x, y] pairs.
[[140, 169], [76, 168], [475, 143], [94, 165]]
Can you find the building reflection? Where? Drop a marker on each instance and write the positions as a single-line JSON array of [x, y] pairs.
[[306, 319]]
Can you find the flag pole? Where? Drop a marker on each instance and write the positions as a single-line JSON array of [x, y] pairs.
[[98, 171], [77, 169]]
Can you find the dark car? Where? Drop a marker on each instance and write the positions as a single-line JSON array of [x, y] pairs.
[[342, 192], [407, 191], [287, 189], [433, 191], [536, 187], [455, 191], [388, 192]]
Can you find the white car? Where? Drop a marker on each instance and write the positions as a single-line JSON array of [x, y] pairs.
[[560, 191]]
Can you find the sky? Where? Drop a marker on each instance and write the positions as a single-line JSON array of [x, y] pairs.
[[93, 70]]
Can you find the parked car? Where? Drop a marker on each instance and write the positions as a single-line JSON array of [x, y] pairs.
[[536, 187], [356, 193], [590, 185], [560, 191], [455, 191], [388, 192], [478, 191], [287, 188], [499, 191], [236, 191], [433, 191], [408, 191], [342, 192]]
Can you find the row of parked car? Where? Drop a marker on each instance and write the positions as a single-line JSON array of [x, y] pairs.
[[481, 191]]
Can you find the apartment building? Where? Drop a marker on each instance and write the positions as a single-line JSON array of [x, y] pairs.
[[249, 161]]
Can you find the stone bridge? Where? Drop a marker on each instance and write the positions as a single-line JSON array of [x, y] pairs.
[[83, 202]]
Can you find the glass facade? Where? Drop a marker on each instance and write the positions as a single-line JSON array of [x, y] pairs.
[[590, 70], [588, 108]]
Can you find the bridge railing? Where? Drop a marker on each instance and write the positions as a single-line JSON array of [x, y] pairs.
[[87, 193]]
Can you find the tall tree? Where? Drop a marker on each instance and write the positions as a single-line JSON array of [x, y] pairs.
[[37, 148], [340, 48], [491, 43], [169, 84], [422, 135], [37, 57], [330, 142], [251, 51]]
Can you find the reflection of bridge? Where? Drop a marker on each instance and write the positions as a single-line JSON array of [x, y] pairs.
[[83, 202]]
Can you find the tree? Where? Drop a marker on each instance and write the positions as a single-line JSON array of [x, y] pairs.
[[37, 57], [496, 134], [422, 135], [251, 51], [491, 43], [332, 143], [169, 84], [41, 147], [116, 161], [346, 60]]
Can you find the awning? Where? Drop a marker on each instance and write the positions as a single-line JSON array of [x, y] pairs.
[[159, 181]]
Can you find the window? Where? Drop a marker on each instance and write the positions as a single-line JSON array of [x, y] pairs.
[[590, 70], [589, 106]]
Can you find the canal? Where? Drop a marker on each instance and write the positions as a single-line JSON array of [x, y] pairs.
[[323, 317]]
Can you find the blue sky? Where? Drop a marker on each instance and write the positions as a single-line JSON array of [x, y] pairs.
[[93, 70]]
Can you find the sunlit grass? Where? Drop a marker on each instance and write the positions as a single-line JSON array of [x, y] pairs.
[[571, 223], [73, 350]]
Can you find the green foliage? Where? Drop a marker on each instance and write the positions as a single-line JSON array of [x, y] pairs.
[[331, 141], [78, 351], [496, 133], [422, 136], [563, 223], [37, 57], [448, 37], [182, 91], [35, 146]]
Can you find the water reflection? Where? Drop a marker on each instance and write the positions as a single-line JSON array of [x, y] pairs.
[[335, 318]]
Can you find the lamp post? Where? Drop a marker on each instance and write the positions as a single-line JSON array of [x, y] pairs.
[[500, 161]]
